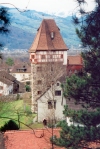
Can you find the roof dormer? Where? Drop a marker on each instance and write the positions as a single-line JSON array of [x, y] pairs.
[[52, 34]]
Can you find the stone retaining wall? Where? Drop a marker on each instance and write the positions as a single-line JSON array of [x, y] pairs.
[[13, 97]]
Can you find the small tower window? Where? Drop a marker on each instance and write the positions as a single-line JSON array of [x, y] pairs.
[[57, 93], [39, 82], [61, 55], [39, 92], [51, 104], [39, 68], [57, 84], [51, 68]]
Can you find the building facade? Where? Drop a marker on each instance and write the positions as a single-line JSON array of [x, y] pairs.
[[22, 72], [48, 56], [9, 84], [51, 104]]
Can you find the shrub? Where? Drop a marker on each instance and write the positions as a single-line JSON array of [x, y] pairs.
[[10, 125]]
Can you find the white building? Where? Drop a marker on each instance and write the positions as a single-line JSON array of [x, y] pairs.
[[51, 103], [9, 84], [22, 72], [6, 88]]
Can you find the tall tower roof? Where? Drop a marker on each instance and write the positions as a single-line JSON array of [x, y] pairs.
[[48, 37]]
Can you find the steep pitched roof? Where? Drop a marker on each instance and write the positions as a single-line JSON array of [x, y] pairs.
[[4, 66], [21, 68], [6, 78], [29, 140], [43, 40]]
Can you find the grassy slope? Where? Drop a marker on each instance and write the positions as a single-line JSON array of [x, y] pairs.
[[11, 111]]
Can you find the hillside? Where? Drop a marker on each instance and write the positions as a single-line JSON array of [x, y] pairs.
[[24, 27]]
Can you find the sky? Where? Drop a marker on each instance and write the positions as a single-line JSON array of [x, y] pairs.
[[48, 6]]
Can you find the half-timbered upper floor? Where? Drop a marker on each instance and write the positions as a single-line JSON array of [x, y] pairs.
[[48, 44]]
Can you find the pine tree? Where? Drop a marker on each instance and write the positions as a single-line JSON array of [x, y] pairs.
[[89, 34], [84, 87], [4, 23]]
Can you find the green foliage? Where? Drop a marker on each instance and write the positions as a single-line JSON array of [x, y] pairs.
[[10, 61], [77, 137], [28, 88], [70, 136], [84, 87], [88, 118], [10, 125], [89, 26], [18, 111], [4, 21], [74, 85], [80, 134]]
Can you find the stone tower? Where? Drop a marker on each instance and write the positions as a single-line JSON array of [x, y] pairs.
[[48, 56]]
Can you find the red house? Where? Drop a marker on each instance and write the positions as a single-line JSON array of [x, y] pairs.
[[74, 65]]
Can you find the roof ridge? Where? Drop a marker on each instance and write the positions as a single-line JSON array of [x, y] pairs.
[[47, 34], [40, 28], [46, 30]]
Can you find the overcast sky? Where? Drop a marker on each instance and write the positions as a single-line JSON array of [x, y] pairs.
[[66, 6]]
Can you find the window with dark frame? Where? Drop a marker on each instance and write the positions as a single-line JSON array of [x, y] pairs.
[[51, 68], [39, 82], [58, 93], [61, 55], [39, 68], [50, 104], [57, 84], [39, 92]]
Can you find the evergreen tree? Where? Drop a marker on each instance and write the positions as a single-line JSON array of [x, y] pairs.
[[4, 23], [89, 34], [79, 135], [84, 87], [10, 125]]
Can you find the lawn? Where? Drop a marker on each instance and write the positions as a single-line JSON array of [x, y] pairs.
[[17, 110]]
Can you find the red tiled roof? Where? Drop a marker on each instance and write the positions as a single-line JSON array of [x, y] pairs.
[[75, 63], [6, 78], [27, 139], [43, 40], [21, 67], [4, 66], [75, 60]]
